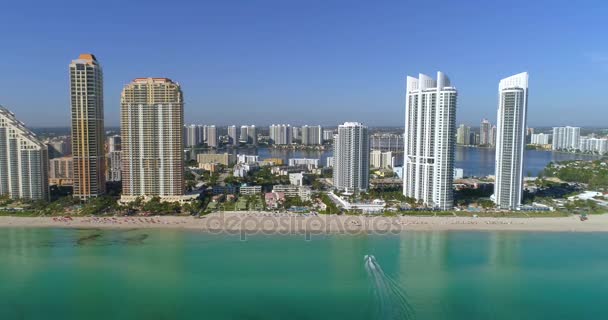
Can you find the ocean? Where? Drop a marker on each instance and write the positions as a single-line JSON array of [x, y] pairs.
[[49, 273]]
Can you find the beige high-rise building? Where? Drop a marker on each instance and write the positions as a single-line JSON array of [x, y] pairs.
[[152, 121], [86, 91]]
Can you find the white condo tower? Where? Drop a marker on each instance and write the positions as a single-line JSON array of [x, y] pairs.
[[430, 128], [510, 143]]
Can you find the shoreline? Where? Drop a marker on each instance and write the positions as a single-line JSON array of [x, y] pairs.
[[288, 223]]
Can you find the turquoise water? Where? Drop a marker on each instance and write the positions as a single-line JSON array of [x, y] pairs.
[[166, 274]]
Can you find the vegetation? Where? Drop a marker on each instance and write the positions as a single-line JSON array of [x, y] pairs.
[[593, 173]]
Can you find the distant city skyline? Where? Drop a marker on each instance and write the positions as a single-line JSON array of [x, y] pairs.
[[316, 63]]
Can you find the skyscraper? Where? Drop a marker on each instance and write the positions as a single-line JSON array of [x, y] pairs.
[[463, 135], [86, 91], [312, 135], [430, 127], [351, 158], [280, 134], [485, 130], [192, 135], [510, 141], [114, 159], [493, 137], [566, 138], [114, 143], [24, 160], [233, 139], [212, 140], [152, 118], [249, 135]]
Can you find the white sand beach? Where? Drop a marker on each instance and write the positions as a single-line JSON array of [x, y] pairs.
[[284, 223]]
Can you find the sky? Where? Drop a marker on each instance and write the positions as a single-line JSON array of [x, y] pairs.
[[309, 62]]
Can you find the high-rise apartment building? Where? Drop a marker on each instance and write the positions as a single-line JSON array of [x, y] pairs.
[[540, 139], [382, 160], [113, 143], [463, 135], [387, 142], [233, 139], [114, 158], [510, 141], [249, 135], [212, 139], [312, 135], [280, 134], [152, 121], [493, 137], [328, 135], [485, 130], [61, 171], [86, 93], [296, 133], [192, 135], [593, 145], [430, 128], [351, 158], [566, 138], [24, 160]]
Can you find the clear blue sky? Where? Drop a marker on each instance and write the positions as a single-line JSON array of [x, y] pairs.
[[310, 62]]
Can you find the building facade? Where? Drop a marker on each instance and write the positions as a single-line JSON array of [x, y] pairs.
[[86, 93], [351, 158], [430, 128], [152, 121], [61, 171], [312, 135], [485, 130], [24, 160], [280, 134], [510, 141], [386, 142], [212, 138], [233, 139], [566, 138], [540, 139]]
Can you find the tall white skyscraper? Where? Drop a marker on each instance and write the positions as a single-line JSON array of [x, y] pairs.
[[463, 135], [86, 93], [152, 120], [566, 138], [212, 140], [24, 160], [485, 131], [280, 134], [510, 141], [233, 138], [430, 127], [312, 135], [249, 135], [351, 158], [192, 135]]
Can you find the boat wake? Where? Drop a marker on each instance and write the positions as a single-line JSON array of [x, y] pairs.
[[390, 299]]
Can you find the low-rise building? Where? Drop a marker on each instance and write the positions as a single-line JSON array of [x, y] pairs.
[[307, 163], [296, 179], [274, 199], [250, 190], [241, 170], [225, 159], [245, 158], [273, 162], [303, 192], [211, 167]]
